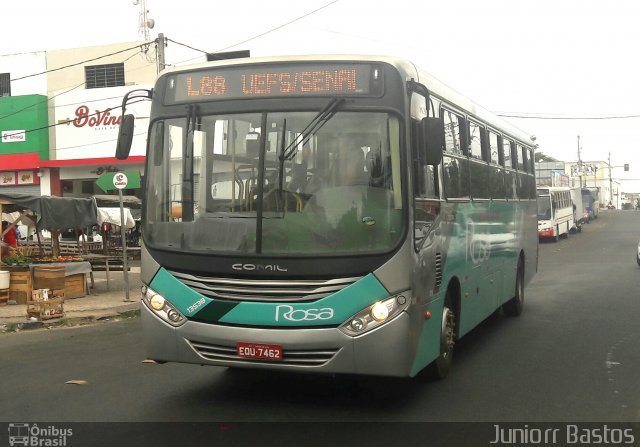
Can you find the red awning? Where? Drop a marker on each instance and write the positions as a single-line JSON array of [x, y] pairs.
[[90, 161], [16, 162]]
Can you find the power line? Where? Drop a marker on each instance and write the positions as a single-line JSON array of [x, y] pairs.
[[62, 93], [562, 117], [96, 142], [261, 34], [40, 102], [187, 46], [108, 109], [146, 44], [82, 62], [281, 26]]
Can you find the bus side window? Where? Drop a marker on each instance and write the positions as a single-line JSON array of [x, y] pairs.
[[478, 168], [509, 171], [521, 185], [455, 164], [531, 169], [497, 172]]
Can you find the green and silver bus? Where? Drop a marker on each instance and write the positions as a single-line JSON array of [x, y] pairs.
[[330, 214]]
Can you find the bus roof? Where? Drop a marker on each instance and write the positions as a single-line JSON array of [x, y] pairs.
[[407, 68], [553, 188]]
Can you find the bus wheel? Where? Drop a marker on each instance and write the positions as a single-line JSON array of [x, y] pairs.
[[514, 306], [440, 367]]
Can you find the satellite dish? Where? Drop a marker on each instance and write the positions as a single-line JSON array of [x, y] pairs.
[[151, 23]]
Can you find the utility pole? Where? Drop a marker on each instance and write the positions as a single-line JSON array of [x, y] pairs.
[[579, 162], [610, 182], [160, 44]]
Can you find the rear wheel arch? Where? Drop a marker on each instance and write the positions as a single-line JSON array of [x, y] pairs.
[[515, 305], [449, 323]]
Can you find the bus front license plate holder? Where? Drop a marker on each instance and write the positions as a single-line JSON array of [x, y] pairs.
[[259, 351]]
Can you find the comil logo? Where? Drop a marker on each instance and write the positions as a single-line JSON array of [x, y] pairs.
[[35, 435], [257, 267]]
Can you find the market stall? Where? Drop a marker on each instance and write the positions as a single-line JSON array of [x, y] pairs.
[[53, 214]]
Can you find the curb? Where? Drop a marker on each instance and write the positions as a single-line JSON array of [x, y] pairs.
[[69, 321]]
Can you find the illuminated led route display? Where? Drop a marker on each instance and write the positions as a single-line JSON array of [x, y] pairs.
[[274, 81]]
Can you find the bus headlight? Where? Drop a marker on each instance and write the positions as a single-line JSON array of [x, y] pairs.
[[374, 315], [379, 311], [157, 302], [162, 308]]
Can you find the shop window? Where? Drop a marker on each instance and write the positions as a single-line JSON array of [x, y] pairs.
[[67, 186], [88, 187]]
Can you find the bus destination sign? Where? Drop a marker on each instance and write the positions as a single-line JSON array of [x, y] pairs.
[[274, 81]]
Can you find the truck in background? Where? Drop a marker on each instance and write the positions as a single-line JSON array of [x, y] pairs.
[[591, 201], [580, 215]]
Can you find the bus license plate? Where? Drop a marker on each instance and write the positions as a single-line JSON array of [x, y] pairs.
[[259, 351]]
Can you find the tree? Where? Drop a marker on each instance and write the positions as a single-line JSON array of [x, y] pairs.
[[541, 156]]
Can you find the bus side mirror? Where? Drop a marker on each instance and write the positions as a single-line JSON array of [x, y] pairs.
[[432, 130], [125, 137]]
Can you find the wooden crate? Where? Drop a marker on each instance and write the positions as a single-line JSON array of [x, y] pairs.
[[48, 277], [38, 294], [45, 310], [20, 284], [4, 297], [75, 286]]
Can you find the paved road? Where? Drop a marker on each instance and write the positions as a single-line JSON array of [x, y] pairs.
[[572, 356]]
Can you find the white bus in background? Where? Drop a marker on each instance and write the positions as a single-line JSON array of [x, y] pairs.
[[555, 212]]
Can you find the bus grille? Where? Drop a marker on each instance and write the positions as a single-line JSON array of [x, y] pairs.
[[307, 357], [438, 263], [263, 290]]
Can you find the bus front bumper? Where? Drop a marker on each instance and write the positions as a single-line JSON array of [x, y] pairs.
[[546, 232], [383, 351]]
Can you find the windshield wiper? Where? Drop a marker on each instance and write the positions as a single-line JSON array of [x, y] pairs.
[[314, 125], [193, 120]]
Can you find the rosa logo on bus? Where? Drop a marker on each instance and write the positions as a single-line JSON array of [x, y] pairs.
[[290, 314]]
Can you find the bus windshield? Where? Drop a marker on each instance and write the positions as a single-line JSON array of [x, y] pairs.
[[544, 208], [281, 183]]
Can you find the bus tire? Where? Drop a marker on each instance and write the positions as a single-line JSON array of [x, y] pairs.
[[440, 367], [514, 306]]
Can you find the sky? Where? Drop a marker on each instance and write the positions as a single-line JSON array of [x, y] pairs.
[[559, 68]]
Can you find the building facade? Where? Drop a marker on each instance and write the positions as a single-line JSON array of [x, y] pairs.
[[59, 116]]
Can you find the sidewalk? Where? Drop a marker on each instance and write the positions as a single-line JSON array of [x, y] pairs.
[[101, 304]]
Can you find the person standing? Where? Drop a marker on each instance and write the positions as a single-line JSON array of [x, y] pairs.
[[8, 237]]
